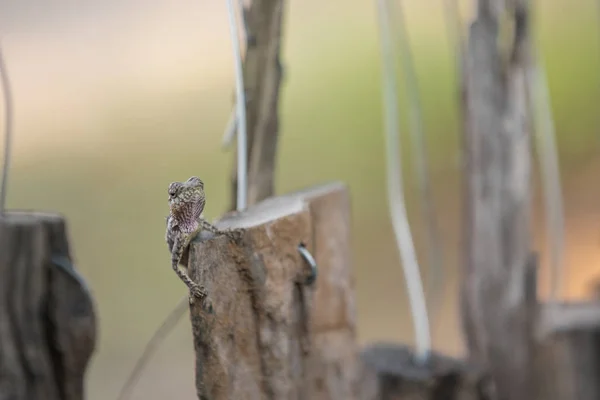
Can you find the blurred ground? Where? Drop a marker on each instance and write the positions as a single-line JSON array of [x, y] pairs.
[[116, 99]]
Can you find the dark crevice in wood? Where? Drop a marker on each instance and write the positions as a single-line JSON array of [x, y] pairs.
[[252, 277], [52, 338]]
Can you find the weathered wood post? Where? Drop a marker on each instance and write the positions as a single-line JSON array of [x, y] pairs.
[[390, 372], [497, 310], [47, 318], [568, 358], [269, 334]]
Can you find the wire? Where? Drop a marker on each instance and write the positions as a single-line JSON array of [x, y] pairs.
[[240, 105], [436, 270], [231, 123], [395, 192], [8, 124]]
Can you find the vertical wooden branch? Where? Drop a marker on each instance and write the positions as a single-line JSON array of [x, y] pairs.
[[266, 334], [262, 77], [47, 319], [495, 310]]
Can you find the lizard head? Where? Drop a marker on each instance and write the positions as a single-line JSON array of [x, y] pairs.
[[187, 199]]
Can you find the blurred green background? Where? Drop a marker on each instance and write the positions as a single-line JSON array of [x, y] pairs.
[[116, 99]]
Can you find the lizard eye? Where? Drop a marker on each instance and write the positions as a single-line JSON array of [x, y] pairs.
[[174, 189]]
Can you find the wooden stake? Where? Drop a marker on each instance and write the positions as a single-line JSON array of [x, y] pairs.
[[569, 356], [333, 367], [47, 318], [390, 372], [265, 333]]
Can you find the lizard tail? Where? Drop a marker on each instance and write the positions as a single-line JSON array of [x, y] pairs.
[[151, 347]]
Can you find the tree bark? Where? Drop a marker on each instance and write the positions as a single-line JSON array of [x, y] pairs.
[[262, 78], [496, 306]]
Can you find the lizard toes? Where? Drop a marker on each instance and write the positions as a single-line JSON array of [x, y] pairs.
[[198, 292], [235, 234]]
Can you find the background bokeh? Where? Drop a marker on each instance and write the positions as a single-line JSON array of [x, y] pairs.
[[115, 99]]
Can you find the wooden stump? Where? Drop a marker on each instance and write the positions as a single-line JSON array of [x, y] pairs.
[[47, 318], [390, 372], [267, 334], [568, 359]]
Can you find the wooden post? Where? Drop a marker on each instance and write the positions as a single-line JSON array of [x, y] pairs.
[[496, 305], [47, 318], [390, 372], [568, 361], [333, 366], [267, 334]]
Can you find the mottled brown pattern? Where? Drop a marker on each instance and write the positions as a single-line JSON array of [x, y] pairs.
[[186, 203]]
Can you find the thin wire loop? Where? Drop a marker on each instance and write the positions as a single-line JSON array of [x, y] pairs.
[[399, 218], [8, 124], [242, 155], [310, 260]]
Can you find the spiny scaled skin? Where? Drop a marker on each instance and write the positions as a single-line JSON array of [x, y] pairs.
[[185, 221]]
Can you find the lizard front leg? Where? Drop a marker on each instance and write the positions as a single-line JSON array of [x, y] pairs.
[[179, 245]]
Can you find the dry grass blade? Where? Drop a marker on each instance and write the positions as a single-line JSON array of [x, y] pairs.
[[549, 166], [395, 192], [231, 127], [151, 347], [455, 34], [240, 105], [434, 243], [547, 154], [8, 123]]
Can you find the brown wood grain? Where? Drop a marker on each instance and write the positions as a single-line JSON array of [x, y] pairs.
[[392, 373], [269, 336], [47, 318], [568, 359], [496, 312]]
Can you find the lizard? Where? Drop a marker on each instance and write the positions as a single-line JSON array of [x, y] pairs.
[[185, 221]]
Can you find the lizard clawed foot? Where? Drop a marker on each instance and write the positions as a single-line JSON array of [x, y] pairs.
[[234, 234], [197, 292]]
